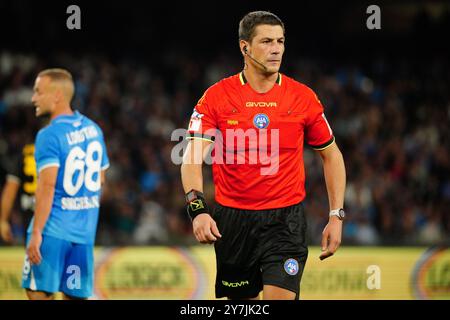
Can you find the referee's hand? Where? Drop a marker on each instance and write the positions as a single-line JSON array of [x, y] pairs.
[[331, 237], [205, 229]]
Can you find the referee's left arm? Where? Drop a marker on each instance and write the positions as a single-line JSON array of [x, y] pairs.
[[335, 179]]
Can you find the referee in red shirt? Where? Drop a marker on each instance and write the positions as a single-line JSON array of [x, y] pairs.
[[258, 226]]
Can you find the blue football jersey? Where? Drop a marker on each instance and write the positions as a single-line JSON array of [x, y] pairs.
[[75, 144]]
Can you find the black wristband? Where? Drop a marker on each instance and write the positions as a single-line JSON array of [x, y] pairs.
[[196, 204]]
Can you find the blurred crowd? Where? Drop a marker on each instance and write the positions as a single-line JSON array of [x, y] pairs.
[[390, 117]]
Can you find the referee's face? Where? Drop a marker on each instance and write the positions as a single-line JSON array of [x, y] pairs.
[[267, 46]]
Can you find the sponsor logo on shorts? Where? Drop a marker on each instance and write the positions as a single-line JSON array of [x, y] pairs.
[[235, 284], [291, 267]]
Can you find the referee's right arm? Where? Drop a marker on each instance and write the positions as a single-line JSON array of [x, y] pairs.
[[191, 168], [204, 227]]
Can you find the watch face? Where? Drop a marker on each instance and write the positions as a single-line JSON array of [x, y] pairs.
[[342, 213]]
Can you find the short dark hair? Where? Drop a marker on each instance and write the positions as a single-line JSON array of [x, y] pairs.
[[251, 20]]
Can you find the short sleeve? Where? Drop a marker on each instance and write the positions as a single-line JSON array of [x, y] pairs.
[[318, 133], [202, 124], [47, 150]]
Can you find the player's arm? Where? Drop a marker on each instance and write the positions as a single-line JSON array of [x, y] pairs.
[[103, 177], [8, 197], [102, 183], [204, 227], [104, 164], [335, 179], [44, 199]]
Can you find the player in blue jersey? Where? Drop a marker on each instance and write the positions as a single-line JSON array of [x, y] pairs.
[[71, 160]]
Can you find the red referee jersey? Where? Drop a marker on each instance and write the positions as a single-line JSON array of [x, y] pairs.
[[258, 153]]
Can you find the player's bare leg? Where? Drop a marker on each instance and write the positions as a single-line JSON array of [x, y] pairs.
[[276, 293], [39, 295]]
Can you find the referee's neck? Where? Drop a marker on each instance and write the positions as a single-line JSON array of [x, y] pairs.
[[260, 81]]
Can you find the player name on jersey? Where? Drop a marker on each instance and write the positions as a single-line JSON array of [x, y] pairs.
[[79, 136], [80, 203]]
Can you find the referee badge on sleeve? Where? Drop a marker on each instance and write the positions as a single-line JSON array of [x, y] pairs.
[[196, 121], [194, 124]]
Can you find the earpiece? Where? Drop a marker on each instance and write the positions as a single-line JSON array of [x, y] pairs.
[[245, 49]]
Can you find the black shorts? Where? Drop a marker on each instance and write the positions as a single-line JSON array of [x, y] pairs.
[[259, 247]]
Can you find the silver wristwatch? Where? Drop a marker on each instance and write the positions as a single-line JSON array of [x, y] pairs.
[[340, 213]]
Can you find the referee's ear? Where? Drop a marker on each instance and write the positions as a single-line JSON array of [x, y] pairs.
[[243, 46]]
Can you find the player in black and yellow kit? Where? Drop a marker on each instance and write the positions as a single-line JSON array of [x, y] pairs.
[[21, 178]]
